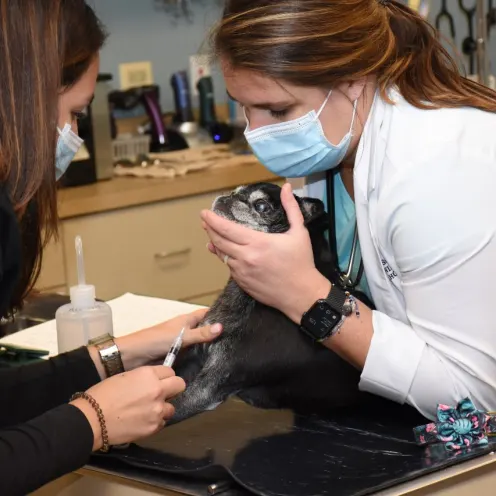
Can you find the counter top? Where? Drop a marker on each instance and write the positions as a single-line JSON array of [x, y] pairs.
[[122, 192]]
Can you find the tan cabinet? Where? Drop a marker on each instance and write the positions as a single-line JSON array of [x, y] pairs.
[[154, 250]]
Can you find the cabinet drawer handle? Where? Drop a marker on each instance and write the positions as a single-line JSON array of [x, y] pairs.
[[167, 254]]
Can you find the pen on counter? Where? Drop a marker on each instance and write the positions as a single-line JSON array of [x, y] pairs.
[[174, 350]]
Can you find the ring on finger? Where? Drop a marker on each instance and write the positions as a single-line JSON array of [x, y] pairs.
[[226, 259]]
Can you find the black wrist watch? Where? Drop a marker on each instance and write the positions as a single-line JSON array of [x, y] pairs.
[[325, 316]]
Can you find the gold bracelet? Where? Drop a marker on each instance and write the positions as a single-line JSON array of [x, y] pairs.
[[101, 418]]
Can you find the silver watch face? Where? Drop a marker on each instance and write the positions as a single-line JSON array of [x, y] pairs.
[[111, 358], [109, 352]]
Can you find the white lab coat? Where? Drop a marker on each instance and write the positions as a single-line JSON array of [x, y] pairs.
[[425, 196]]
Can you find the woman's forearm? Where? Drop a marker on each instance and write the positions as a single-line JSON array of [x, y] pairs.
[[352, 342], [129, 350], [43, 449], [30, 390]]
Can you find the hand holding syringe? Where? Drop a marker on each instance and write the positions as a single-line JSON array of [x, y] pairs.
[[168, 362]]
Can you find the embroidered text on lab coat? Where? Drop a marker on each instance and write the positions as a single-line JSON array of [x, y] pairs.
[[388, 270]]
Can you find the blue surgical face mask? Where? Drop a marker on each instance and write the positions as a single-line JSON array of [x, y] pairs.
[[68, 144], [298, 148]]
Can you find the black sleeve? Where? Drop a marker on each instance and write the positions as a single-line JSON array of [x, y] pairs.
[[43, 437], [28, 391], [43, 449]]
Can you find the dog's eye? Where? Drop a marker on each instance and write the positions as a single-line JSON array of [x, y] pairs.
[[261, 206]]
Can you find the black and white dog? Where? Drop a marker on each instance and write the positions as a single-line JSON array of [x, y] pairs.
[[262, 357]]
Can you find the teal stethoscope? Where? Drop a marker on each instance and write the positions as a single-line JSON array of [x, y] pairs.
[[346, 279]]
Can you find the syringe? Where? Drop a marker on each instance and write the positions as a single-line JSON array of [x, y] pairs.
[[174, 350]]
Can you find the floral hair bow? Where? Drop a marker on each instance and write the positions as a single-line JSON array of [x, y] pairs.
[[458, 427]]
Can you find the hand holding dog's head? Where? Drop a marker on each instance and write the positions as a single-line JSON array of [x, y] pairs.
[[259, 207]]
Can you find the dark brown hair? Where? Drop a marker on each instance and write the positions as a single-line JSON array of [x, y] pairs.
[[45, 47], [327, 42]]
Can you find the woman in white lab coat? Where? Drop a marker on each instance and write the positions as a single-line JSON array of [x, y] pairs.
[[361, 93]]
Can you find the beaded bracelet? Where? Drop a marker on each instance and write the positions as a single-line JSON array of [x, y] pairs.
[[101, 418], [350, 306]]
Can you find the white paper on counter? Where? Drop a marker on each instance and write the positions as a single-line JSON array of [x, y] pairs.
[[130, 313]]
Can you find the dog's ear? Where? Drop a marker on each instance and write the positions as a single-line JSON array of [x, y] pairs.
[[311, 209]]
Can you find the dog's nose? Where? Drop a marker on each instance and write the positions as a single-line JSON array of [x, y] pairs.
[[222, 204]]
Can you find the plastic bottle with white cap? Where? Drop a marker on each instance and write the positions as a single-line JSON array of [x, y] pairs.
[[83, 318]]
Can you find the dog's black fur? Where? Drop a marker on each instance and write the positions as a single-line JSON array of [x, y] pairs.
[[262, 357]]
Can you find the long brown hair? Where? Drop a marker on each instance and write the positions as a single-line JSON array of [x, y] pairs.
[[45, 46], [327, 42]]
